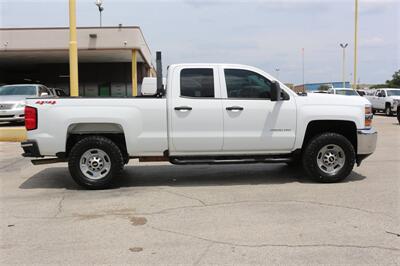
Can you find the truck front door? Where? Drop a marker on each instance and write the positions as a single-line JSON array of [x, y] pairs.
[[380, 99], [252, 122], [195, 111]]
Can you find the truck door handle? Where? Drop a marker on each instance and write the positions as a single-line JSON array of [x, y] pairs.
[[234, 108], [183, 108]]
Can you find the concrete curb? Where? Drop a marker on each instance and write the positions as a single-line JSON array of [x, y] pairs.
[[12, 134]]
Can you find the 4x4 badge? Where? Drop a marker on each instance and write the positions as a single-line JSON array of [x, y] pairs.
[[45, 102]]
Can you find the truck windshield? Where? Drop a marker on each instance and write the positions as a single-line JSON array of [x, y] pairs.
[[393, 92], [18, 90], [347, 92]]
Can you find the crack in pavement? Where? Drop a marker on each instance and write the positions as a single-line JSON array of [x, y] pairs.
[[202, 255], [264, 201], [392, 233], [55, 216], [12, 163], [59, 206], [274, 245], [205, 205], [185, 196]]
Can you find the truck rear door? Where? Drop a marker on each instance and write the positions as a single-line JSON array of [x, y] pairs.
[[195, 111]]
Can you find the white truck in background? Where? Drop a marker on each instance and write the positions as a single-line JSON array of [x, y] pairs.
[[385, 100], [205, 114]]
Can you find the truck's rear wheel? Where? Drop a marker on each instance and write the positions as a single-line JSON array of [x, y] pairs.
[[328, 158], [94, 162]]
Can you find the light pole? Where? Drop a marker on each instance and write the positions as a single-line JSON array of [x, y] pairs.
[[73, 51], [355, 44], [277, 73], [99, 4], [344, 45]]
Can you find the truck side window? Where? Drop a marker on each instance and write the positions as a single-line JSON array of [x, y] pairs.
[[197, 82], [247, 84]]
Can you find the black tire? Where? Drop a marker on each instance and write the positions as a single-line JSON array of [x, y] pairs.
[[398, 114], [310, 154], [388, 110], [373, 111], [110, 149]]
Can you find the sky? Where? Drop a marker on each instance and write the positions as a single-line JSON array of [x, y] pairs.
[[266, 34]]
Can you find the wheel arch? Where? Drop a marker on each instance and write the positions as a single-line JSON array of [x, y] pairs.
[[112, 131], [343, 127]]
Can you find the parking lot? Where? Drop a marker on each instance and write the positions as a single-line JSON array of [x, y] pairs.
[[229, 214]]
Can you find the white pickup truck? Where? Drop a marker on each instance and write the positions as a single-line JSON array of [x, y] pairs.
[[206, 114], [385, 100]]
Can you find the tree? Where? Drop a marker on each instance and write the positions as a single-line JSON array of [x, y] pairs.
[[395, 81]]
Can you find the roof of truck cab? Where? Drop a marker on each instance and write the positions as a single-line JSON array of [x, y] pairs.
[[17, 85], [223, 65], [213, 64]]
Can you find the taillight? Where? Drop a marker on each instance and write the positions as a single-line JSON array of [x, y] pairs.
[[368, 116], [30, 118]]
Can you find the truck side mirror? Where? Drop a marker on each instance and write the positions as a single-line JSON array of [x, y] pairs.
[[276, 91]]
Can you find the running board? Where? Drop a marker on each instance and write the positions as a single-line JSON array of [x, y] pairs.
[[184, 161], [47, 161]]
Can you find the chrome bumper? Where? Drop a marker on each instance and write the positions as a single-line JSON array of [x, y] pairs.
[[366, 141]]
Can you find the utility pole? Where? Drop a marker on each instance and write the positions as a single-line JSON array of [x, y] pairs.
[[355, 44], [344, 45], [73, 51]]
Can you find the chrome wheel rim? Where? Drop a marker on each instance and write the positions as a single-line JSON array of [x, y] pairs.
[[331, 159], [95, 164]]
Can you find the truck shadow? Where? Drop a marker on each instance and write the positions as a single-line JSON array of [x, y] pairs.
[[172, 175]]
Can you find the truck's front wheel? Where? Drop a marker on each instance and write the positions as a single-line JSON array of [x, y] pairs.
[[94, 161], [388, 110], [329, 157]]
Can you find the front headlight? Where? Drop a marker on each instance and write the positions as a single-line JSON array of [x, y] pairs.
[[20, 105]]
